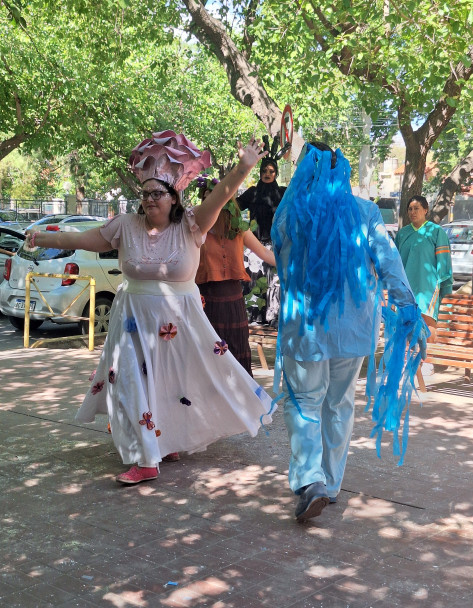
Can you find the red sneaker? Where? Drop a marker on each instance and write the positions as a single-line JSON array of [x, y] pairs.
[[172, 457], [137, 474]]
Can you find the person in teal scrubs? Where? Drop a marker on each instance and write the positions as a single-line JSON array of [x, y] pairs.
[[425, 252]]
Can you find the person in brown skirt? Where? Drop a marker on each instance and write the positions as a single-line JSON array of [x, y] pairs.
[[221, 271]]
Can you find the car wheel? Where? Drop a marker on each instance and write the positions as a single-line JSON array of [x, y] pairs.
[[103, 306], [19, 323]]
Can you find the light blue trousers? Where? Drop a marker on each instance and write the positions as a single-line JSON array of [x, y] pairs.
[[320, 423]]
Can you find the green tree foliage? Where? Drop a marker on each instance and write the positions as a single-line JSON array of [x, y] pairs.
[[101, 77], [28, 176], [86, 80], [413, 58]]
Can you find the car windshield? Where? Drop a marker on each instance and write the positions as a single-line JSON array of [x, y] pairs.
[[9, 242], [40, 254], [389, 216], [460, 234], [7, 216]]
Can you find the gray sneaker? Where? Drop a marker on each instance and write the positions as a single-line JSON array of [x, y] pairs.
[[312, 501]]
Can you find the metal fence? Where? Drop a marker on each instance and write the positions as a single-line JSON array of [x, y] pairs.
[[33, 209], [30, 209]]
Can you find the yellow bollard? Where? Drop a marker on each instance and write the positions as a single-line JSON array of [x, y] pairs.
[[29, 280], [92, 314], [26, 334]]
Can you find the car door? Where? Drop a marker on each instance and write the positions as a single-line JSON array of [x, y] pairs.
[[461, 244], [109, 263]]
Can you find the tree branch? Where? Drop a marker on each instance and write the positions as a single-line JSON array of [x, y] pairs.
[[44, 120], [10, 144], [324, 21], [126, 178], [250, 15], [440, 116], [345, 58], [245, 84]]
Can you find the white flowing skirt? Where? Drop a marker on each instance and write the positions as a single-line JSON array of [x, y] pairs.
[[166, 380]]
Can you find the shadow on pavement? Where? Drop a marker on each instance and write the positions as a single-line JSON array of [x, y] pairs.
[[217, 528]]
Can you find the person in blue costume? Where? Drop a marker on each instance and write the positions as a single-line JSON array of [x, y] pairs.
[[425, 252], [334, 258]]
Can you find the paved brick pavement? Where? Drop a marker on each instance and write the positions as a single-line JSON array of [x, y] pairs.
[[217, 528]]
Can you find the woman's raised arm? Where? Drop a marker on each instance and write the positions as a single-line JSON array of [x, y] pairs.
[[206, 214]]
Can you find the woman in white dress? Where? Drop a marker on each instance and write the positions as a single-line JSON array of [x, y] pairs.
[[165, 378]]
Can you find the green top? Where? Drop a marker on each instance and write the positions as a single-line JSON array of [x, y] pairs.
[[425, 253]]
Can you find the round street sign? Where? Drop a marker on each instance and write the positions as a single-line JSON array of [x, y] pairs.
[[287, 128]]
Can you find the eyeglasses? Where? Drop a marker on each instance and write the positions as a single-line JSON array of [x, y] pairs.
[[155, 195]]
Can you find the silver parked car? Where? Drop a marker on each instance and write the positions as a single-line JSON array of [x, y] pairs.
[[48, 221], [460, 235], [59, 293]]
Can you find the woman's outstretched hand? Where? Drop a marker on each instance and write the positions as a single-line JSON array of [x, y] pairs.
[[251, 153], [206, 214]]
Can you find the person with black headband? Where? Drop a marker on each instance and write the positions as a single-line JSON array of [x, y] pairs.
[[262, 201]]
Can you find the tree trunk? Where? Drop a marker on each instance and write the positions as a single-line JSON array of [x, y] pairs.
[[412, 182], [245, 85], [78, 174], [450, 187], [80, 196]]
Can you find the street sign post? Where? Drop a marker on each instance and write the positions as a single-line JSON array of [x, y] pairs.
[[287, 129]]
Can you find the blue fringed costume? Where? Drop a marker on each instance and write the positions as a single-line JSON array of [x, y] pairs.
[[331, 248]]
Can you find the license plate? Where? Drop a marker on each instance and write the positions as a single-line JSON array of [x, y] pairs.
[[20, 305]]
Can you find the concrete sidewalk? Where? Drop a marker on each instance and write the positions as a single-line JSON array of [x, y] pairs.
[[217, 528]]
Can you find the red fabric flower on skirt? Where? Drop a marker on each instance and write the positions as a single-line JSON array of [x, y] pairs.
[[97, 387], [168, 332], [147, 420]]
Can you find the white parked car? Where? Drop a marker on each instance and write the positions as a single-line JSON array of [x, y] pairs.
[[48, 221], [59, 293], [10, 241], [460, 235]]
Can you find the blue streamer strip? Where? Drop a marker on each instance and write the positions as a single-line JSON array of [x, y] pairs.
[[396, 376], [294, 401]]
